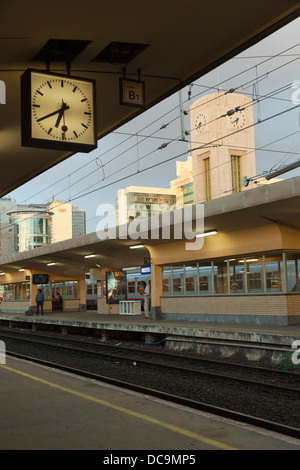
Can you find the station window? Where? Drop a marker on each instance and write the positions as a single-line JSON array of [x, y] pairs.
[[252, 274], [166, 274], [220, 277], [191, 279], [236, 173], [255, 274], [18, 291], [274, 273], [205, 278], [190, 285], [46, 289], [178, 277], [237, 276], [71, 289], [293, 272]]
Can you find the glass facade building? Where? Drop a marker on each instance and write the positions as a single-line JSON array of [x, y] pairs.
[[32, 228]]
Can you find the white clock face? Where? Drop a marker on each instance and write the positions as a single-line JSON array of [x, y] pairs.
[[237, 120], [62, 109], [200, 123]]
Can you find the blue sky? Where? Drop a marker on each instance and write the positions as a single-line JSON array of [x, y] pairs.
[[129, 151]]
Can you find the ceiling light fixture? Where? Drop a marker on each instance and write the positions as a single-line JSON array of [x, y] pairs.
[[90, 256], [213, 232], [131, 268], [22, 269], [248, 260], [50, 264], [133, 247]]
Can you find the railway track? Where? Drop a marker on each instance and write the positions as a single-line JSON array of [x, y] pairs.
[[229, 390], [196, 364]]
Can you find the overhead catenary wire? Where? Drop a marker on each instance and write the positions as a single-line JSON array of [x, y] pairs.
[[102, 166], [169, 159], [230, 78], [176, 139], [264, 61], [269, 58], [174, 157]]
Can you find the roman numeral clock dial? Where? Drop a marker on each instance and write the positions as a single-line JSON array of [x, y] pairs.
[[58, 112]]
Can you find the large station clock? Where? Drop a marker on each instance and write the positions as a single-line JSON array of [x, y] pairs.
[[58, 111]]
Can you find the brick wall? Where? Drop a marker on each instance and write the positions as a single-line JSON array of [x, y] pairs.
[[236, 305]]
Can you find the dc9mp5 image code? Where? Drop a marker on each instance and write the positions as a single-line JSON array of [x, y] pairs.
[[169, 459]]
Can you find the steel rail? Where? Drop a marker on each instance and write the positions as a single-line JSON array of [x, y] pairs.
[[168, 366], [157, 353]]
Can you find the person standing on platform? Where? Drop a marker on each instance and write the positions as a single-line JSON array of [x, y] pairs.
[[146, 295], [39, 298]]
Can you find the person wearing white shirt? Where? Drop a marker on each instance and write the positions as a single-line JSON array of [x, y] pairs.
[[146, 295]]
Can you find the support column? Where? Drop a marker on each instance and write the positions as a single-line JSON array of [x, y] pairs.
[[156, 291], [102, 306], [33, 292], [82, 295]]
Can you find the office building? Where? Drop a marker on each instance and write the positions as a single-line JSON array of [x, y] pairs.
[[67, 221], [140, 201]]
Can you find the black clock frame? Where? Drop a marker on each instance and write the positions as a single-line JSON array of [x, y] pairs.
[[26, 111]]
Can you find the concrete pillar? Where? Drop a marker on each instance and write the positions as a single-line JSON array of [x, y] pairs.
[[156, 291], [33, 292], [82, 294]]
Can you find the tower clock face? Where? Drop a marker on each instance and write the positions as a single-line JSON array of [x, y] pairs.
[[60, 110], [200, 123], [237, 120]]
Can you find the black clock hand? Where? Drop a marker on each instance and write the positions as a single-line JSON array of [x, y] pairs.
[[61, 114], [53, 114]]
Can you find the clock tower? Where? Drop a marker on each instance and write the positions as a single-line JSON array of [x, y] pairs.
[[222, 142]]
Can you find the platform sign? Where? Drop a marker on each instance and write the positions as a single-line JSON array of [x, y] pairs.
[[146, 270], [132, 93]]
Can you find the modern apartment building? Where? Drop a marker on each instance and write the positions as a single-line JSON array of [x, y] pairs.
[[24, 227], [30, 227]]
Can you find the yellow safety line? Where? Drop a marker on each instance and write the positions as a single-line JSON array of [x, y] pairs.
[[168, 426]]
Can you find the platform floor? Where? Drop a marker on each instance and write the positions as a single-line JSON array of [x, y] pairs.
[[92, 317], [281, 336], [42, 408], [218, 340]]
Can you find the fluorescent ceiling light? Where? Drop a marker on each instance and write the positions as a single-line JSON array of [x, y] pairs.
[[206, 234], [50, 264], [2, 274], [90, 256], [131, 268], [22, 269], [133, 247], [248, 260]]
